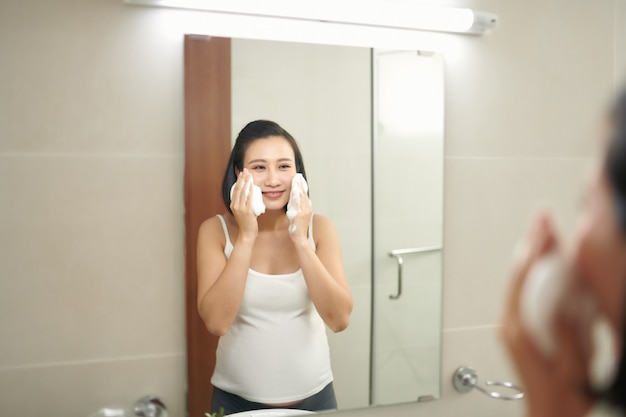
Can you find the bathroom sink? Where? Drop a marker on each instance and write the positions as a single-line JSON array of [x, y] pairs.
[[274, 412]]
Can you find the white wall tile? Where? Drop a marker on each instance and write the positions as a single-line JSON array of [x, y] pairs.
[[88, 77], [536, 85], [93, 264], [81, 388], [489, 203], [620, 43]]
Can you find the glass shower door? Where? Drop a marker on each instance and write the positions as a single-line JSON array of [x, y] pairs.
[[407, 225]]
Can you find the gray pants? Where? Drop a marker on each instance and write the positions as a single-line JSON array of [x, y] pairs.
[[322, 401]]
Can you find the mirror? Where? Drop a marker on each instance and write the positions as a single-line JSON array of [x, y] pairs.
[[322, 95], [370, 127]]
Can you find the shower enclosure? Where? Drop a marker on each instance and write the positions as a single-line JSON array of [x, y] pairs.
[[407, 223]]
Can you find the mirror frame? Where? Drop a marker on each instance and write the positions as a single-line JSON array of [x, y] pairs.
[[207, 90]]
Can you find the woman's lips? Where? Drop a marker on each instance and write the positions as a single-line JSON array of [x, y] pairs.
[[273, 194]]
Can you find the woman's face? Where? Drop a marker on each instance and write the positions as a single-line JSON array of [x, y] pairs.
[[272, 163], [600, 249]]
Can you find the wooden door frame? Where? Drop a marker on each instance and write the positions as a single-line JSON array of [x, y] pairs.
[[207, 89]]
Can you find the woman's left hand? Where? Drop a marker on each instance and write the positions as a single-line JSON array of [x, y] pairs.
[[302, 219]]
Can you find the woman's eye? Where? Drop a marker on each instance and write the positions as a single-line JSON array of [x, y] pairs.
[[258, 168], [285, 166]]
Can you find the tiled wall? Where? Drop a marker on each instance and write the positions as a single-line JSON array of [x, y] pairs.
[[620, 35], [91, 210], [91, 128]]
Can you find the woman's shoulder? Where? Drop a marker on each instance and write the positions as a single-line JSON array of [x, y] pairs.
[[321, 220], [322, 225], [213, 227]]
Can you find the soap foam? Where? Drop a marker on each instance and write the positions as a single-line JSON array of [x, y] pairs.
[[258, 207], [550, 288], [298, 186]]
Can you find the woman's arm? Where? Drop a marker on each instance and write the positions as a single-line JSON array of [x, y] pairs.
[[221, 281], [324, 274]]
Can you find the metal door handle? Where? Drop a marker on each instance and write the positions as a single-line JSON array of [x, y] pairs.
[[399, 293], [397, 253]]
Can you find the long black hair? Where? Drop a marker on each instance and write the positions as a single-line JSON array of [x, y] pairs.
[[616, 171], [258, 129]]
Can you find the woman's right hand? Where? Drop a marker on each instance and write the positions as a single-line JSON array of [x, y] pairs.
[[241, 206], [555, 386]]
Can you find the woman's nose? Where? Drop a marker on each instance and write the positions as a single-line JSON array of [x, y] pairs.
[[272, 178]]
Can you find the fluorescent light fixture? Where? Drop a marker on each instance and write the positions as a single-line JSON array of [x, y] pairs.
[[388, 13]]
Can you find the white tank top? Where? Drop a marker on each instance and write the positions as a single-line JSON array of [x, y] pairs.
[[276, 351]]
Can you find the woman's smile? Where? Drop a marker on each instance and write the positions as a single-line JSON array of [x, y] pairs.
[[273, 194]]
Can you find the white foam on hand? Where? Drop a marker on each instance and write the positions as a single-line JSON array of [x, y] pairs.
[[258, 207], [548, 290], [540, 298], [298, 186]]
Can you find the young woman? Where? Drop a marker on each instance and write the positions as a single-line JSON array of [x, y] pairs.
[[267, 292], [560, 385]]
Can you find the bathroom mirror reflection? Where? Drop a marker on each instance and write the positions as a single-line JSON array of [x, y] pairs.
[[369, 124]]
